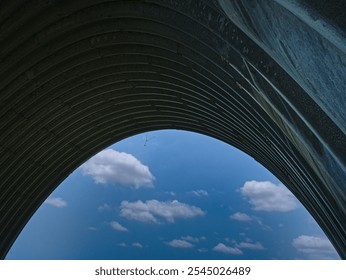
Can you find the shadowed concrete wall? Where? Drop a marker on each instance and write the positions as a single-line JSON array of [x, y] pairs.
[[267, 77]]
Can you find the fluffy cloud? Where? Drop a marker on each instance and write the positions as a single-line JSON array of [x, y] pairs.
[[56, 202], [222, 248], [250, 245], [199, 193], [266, 196], [113, 167], [118, 227], [242, 217], [193, 239], [314, 247], [151, 210], [178, 243]]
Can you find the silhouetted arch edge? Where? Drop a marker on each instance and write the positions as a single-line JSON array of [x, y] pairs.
[[77, 76]]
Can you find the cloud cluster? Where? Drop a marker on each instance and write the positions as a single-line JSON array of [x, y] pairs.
[[118, 227], [56, 202], [151, 211], [113, 167], [178, 243], [266, 196], [314, 247], [222, 248]]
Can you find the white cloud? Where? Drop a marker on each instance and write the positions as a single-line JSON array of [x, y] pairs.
[[222, 248], [178, 243], [151, 210], [118, 227], [113, 167], [122, 244], [199, 193], [261, 224], [314, 247], [242, 217], [250, 245], [266, 196], [193, 239], [104, 207], [137, 245], [56, 202]]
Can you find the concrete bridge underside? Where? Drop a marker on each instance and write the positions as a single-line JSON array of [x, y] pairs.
[[267, 77]]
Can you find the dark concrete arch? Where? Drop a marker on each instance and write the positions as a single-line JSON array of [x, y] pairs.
[[263, 76]]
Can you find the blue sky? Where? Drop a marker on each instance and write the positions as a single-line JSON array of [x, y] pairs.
[[171, 195]]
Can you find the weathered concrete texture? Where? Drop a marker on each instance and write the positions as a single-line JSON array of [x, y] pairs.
[[77, 76], [308, 49]]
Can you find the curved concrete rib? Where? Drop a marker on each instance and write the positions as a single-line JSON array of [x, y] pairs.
[[77, 76]]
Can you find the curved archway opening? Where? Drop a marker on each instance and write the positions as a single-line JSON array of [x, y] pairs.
[[79, 76], [172, 195]]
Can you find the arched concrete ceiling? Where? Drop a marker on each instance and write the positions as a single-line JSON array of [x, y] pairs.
[[267, 77]]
